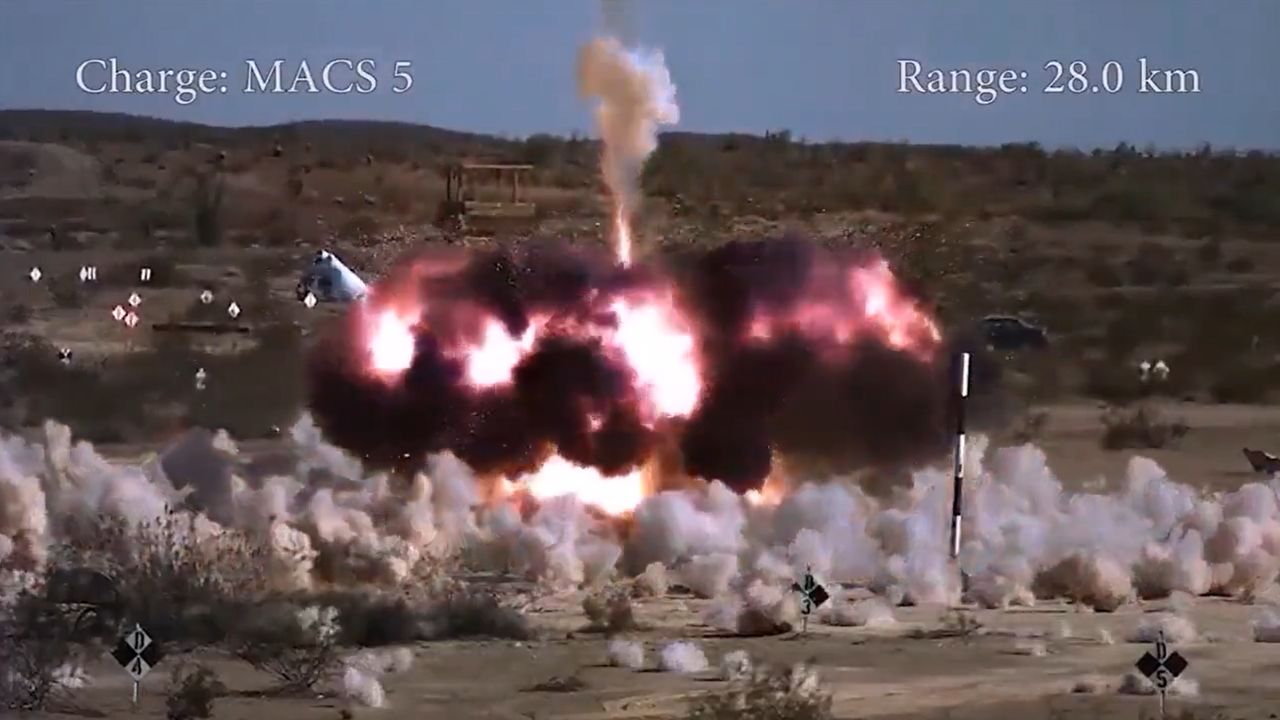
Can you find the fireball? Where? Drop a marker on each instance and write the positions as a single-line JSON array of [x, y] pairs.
[[565, 379]]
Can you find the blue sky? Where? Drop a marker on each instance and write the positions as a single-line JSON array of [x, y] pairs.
[[825, 69]]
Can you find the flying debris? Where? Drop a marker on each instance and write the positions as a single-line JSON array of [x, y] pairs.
[[329, 280], [1262, 461]]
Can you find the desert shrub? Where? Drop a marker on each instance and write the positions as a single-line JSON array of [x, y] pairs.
[[192, 690], [183, 584], [206, 210], [609, 611], [281, 227], [783, 694], [18, 314], [33, 666], [299, 655], [1140, 427], [560, 684], [68, 292], [466, 612], [1155, 264], [956, 623], [369, 619]]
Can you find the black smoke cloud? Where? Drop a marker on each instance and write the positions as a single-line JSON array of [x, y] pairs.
[[869, 404]]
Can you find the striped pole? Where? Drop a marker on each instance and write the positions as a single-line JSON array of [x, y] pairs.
[[958, 463]]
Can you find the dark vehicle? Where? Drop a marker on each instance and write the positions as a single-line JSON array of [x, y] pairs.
[[1008, 333]]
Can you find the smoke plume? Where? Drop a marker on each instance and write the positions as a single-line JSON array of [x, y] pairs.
[[760, 348], [1027, 537], [635, 95]]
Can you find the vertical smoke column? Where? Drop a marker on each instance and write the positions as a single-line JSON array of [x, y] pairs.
[[635, 95]]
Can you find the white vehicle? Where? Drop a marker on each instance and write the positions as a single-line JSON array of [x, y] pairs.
[[329, 280]]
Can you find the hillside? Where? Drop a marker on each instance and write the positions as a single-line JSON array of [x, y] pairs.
[[1123, 254]]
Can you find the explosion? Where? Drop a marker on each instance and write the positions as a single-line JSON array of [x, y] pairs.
[[558, 369], [571, 372]]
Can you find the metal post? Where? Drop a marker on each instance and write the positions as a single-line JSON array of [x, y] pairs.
[[958, 464], [135, 693]]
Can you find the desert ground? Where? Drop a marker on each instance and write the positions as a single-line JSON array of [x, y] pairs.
[[1123, 255], [1052, 660], [1047, 662]]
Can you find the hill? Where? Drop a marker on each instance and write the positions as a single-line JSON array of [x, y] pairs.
[[1124, 254]]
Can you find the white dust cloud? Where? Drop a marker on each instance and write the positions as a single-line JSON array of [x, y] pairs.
[[324, 522], [626, 653], [682, 656]]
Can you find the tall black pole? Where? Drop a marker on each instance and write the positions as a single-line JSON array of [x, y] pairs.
[[962, 382]]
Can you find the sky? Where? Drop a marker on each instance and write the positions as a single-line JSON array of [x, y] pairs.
[[823, 69]]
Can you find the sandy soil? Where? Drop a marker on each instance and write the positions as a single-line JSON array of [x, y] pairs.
[[901, 671], [884, 673]]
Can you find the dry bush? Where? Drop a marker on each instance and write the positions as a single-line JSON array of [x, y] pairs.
[[34, 660], [300, 655], [68, 292], [185, 586], [956, 623], [206, 210], [1155, 264], [556, 683], [297, 669], [1140, 427], [610, 611], [192, 691], [783, 694], [467, 612], [370, 619], [17, 313], [29, 678]]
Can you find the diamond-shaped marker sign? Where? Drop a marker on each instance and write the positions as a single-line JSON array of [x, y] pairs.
[[201, 375], [233, 310], [309, 300], [144, 275], [1163, 667], [135, 300], [118, 313], [812, 595], [131, 319], [64, 356], [206, 297], [88, 273], [137, 653], [35, 274]]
